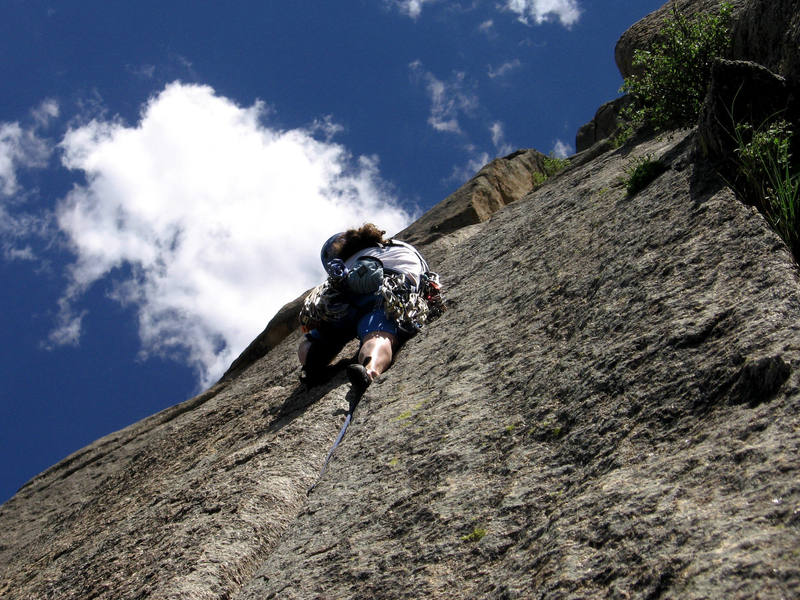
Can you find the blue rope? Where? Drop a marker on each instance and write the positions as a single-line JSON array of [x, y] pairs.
[[331, 451]]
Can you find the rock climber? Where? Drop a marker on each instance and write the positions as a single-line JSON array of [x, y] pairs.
[[374, 292]]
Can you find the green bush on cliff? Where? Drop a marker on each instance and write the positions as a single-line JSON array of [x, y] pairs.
[[550, 166], [773, 181], [672, 77]]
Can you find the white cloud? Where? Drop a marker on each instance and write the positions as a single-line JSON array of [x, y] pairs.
[[562, 149], [18, 228], [218, 217], [566, 11], [9, 151], [413, 8], [70, 321], [477, 158], [504, 69], [539, 11], [448, 99], [25, 253], [46, 112], [19, 148], [499, 139], [142, 71], [327, 127], [475, 162]]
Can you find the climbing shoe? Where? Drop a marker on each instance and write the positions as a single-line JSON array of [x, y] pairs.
[[315, 377], [317, 368], [359, 378]]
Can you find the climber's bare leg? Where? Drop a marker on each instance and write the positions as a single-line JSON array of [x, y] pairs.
[[376, 352]]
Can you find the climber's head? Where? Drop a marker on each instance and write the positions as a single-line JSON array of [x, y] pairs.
[[326, 255], [343, 245]]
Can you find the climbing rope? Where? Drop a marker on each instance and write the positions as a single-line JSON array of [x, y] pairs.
[[333, 448]]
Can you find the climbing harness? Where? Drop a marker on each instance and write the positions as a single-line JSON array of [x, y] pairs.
[[411, 309]]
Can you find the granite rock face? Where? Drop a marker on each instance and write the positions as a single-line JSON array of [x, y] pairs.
[[642, 34], [768, 32], [501, 182], [610, 408], [764, 32], [604, 124], [743, 92]]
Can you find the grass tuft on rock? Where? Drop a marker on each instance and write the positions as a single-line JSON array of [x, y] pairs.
[[642, 171], [771, 178], [476, 536]]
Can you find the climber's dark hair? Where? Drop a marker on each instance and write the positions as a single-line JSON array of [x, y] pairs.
[[353, 240]]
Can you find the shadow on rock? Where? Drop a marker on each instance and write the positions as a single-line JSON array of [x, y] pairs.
[[307, 393]]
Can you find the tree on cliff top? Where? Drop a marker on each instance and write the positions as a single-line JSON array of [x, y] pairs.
[[672, 77]]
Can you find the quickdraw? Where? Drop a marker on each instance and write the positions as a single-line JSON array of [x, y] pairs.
[[401, 303], [412, 309], [324, 303], [431, 290]]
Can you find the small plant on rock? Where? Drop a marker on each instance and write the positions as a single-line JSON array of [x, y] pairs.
[[641, 172], [772, 182], [625, 130], [476, 536], [551, 165], [672, 76]]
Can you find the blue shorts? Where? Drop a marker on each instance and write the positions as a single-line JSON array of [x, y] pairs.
[[377, 320], [356, 325]]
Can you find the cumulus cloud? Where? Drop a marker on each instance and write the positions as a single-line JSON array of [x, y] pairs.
[[207, 220], [449, 99], [562, 149], [565, 11]]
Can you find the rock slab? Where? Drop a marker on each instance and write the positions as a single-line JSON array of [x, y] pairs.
[[610, 408]]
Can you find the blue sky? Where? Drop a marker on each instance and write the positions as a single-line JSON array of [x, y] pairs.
[[168, 171]]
